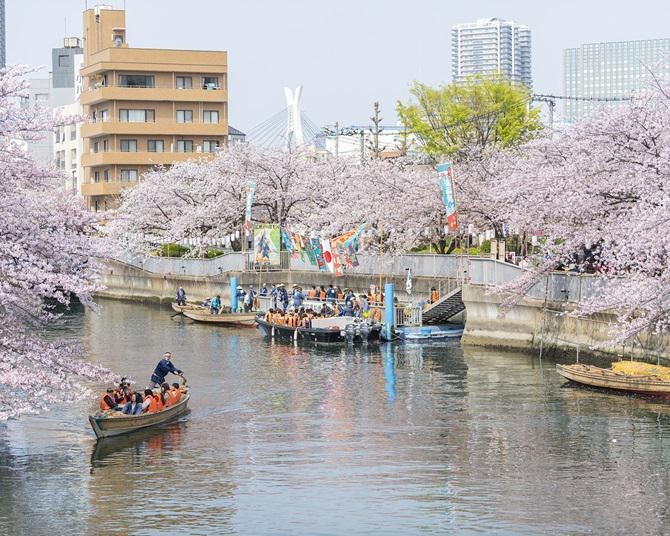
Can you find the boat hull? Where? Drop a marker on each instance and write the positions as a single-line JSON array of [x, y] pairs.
[[106, 426], [316, 335], [181, 308], [428, 334], [224, 319], [609, 379]]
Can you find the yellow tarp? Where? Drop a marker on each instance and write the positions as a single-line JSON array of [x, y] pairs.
[[634, 368]]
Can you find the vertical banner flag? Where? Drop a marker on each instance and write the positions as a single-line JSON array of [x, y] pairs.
[[337, 260], [267, 243], [251, 189], [288, 242], [446, 174], [310, 253], [318, 254], [327, 255]]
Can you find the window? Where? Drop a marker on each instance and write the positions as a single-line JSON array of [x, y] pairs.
[[137, 116], [105, 145], [210, 82], [73, 132], [136, 80], [128, 175], [210, 146], [73, 158], [184, 82], [128, 146], [155, 146], [105, 175], [63, 60], [96, 146], [210, 116], [185, 146], [103, 116], [41, 97], [96, 176], [184, 116]]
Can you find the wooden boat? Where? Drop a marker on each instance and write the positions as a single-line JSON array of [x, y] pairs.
[[107, 446], [327, 330], [188, 307], [113, 423], [226, 319], [610, 379]]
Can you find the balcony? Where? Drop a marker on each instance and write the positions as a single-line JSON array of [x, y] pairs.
[[96, 95], [159, 128], [138, 158], [104, 188]]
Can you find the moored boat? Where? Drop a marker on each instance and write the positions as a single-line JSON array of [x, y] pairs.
[[428, 334], [226, 319], [113, 423], [188, 307], [323, 330], [593, 376]]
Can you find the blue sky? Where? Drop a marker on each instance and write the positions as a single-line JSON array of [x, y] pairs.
[[346, 53]]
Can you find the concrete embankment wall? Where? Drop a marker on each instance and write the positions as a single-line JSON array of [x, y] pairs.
[[530, 322], [128, 282]]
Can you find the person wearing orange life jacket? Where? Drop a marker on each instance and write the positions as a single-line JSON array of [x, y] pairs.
[[159, 400], [434, 295], [165, 397], [149, 403], [175, 393], [312, 293], [107, 401]]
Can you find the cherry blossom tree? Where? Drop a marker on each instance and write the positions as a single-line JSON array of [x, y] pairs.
[[600, 195], [203, 200], [47, 254]]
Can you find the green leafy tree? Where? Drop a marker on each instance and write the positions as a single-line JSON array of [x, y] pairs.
[[457, 120]]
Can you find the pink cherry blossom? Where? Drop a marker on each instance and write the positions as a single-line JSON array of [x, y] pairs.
[[47, 258]]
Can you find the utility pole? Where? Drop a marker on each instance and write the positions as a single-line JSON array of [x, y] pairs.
[[376, 121], [362, 134]]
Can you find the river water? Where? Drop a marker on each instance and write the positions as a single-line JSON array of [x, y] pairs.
[[316, 441]]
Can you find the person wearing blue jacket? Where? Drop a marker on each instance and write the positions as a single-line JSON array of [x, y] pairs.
[[163, 368]]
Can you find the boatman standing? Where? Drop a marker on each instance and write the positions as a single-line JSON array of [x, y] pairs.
[[163, 368]]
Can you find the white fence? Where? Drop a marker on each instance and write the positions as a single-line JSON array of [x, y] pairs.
[[425, 265]]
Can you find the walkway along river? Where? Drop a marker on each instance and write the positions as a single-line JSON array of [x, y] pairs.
[[310, 440]]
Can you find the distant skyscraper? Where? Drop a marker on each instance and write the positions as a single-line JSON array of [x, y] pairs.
[[491, 46], [2, 34], [607, 70]]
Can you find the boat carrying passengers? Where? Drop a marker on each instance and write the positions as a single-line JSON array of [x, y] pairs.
[[124, 399]]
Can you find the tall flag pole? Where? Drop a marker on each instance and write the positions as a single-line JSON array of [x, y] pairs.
[[445, 172]]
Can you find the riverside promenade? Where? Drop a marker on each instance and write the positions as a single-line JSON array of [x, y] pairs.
[[540, 320]]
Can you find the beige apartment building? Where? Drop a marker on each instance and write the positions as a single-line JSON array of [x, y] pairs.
[[145, 107]]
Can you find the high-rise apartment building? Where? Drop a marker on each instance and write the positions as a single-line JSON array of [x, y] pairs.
[[491, 47], [146, 107], [611, 70]]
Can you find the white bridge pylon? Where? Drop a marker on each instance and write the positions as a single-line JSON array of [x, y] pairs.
[[294, 137]]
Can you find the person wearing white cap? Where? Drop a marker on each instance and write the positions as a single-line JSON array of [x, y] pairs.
[[240, 298], [249, 299]]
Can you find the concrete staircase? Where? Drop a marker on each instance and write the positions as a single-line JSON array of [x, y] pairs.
[[445, 308]]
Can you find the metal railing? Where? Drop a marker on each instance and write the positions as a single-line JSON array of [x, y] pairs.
[[409, 315], [450, 268], [557, 286]]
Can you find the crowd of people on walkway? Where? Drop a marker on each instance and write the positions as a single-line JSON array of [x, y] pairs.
[[281, 299], [158, 396]]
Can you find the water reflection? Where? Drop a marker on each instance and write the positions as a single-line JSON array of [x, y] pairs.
[[374, 439]]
